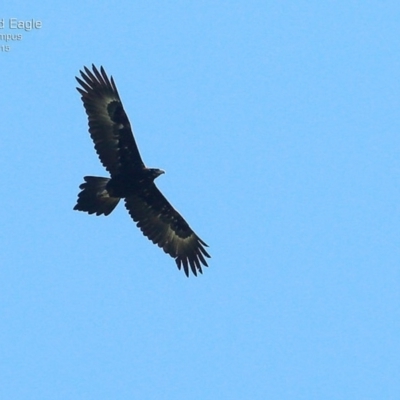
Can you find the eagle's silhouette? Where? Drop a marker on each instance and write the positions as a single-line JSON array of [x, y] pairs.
[[130, 180]]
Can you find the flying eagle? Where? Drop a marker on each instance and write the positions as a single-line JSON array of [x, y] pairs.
[[130, 179]]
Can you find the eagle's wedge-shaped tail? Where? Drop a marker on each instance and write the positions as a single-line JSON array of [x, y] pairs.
[[94, 197]]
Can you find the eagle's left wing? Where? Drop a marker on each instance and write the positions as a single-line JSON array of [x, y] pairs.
[[164, 226]]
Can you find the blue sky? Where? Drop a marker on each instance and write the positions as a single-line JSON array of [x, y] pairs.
[[277, 124]]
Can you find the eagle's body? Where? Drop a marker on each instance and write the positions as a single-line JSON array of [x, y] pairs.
[[129, 179]]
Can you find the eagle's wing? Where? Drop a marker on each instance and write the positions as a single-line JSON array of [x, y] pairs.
[[109, 126], [164, 226]]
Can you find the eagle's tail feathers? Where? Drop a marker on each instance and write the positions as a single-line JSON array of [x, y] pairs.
[[94, 197]]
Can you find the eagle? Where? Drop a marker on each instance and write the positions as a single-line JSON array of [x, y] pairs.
[[130, 179]]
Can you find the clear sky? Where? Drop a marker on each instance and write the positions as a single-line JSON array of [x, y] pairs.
[[278, 126]]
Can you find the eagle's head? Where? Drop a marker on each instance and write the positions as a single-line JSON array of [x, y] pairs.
[[155, 172]]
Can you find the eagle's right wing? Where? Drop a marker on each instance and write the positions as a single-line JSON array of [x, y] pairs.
[[109, 126]]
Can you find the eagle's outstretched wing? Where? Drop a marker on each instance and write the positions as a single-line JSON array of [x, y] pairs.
[[109, 126], [164, 226]]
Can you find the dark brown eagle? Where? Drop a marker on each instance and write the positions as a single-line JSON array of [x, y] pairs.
[[130, 180]]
